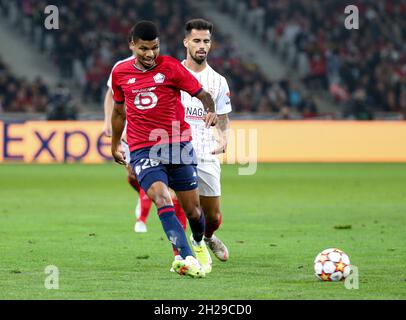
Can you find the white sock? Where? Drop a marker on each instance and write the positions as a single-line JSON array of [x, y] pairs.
[[138, 209]]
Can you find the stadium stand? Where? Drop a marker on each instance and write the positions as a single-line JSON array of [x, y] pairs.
[[86, 48], [21, 95], [364, 70]]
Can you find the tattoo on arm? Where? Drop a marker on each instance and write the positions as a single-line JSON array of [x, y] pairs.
[[223, 123], [207, 101], [223, 128]]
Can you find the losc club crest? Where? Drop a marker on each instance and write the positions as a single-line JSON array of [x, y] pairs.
[[159, 78]]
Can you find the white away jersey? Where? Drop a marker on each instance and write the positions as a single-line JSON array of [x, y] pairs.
[[204, 141]]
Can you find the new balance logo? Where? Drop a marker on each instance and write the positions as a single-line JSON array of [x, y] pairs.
[[131, 81]]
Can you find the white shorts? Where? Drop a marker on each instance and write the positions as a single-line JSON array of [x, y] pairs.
[[209, 178]]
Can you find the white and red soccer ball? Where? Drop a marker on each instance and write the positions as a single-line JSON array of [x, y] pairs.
[[332, 265]]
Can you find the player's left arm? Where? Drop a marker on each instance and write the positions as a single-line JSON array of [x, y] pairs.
[[223, 104], [223, 127]]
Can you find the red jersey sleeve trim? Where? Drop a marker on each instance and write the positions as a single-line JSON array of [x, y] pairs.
[[198, 91]]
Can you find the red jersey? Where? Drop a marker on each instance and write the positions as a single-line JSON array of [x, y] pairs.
[[153, 101]]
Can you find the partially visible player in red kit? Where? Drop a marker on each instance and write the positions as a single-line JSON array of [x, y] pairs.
[[144, 203], [162, 155]]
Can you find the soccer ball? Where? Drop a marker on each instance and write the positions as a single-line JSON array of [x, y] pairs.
[[332, 265]]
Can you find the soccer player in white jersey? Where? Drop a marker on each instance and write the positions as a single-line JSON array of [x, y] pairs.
[[198, 42]]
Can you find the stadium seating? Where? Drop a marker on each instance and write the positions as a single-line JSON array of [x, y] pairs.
[[88, 47], [364, 70], [21, 95]]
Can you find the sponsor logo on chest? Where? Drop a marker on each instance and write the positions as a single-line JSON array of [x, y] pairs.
[[194, 112]]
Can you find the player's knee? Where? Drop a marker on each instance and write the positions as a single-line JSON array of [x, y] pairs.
[[130, 173], [213, 216], [132, 177], [192, 211], [161, 200], [160, 196]]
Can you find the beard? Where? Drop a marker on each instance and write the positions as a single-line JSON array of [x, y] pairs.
[[197, 59]]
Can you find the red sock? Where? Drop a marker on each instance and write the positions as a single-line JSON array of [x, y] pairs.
[[180, 214], [212, 226], [145, 204], [134, 183], [175, 251]]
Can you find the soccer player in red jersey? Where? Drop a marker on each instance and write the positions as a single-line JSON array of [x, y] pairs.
[[162, 155], [144, 202]]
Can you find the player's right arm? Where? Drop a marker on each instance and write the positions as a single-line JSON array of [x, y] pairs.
[[187, 82], [108, 110], [117, 121], [117, 124]]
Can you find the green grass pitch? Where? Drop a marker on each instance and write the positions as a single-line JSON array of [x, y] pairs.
[[80, 218]]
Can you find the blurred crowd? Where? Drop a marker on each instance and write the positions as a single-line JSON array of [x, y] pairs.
[[93, 36], [364, 70], [21, 95]]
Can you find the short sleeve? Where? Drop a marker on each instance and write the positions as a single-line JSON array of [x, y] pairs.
[[185, 81], [118, 95], [223, 102], [109, 82]]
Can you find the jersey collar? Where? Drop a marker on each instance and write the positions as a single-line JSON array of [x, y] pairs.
[[190, 70], [144, 70]]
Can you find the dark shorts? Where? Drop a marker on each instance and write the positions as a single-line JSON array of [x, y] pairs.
[[174, 165]]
